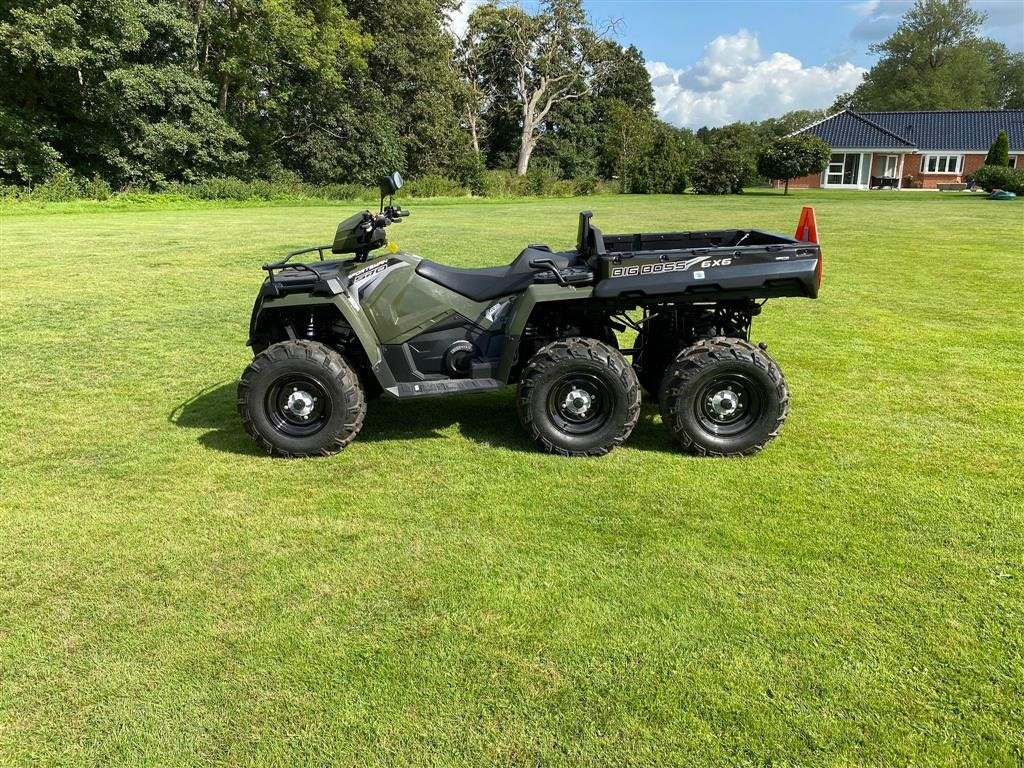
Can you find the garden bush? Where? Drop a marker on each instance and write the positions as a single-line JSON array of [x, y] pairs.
[[61, 187], [991, 177], [433, 186]]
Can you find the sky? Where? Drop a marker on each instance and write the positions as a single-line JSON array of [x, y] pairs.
[[714, 62]]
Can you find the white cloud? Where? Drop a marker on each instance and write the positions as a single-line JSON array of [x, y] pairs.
[[458, 19], [734, 80], [879, 20]]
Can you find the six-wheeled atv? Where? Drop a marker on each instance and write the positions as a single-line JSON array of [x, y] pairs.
[[329, 333]]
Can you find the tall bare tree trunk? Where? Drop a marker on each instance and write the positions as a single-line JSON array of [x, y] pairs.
[[222, 93], [526, 145], [473, 132]]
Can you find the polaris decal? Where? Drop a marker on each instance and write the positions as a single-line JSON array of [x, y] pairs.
[[663, 267], [368, 273], [362, 282]]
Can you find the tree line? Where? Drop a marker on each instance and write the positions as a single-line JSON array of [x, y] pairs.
[[145, 93]]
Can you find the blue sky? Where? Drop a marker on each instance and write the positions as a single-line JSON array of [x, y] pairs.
[[714, 62]]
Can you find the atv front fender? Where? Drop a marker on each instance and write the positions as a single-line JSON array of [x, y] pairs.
[[521, 311], [352, 315]]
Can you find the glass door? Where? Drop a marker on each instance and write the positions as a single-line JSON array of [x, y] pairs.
[[843, 169]]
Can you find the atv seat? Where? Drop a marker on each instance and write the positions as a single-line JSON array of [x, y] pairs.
[[489, 283]]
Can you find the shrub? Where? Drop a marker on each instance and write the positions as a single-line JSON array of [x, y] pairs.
[[504, 184], [97, 189], [991, 177], [61, 187], [585, 185], [433, 186], [473, 173], [722, 171], [338, 192], [541, 179], [9, 193]]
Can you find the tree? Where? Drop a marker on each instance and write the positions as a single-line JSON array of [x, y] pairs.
[[936, 59], [623, 108], [535, 62], [103, 87], [793, 156], [721, 170], [999, 152], [410, 64]]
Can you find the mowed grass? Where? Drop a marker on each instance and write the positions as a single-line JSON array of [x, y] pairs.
[[442, 594]]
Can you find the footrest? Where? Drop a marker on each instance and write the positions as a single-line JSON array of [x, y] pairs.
[[446, 387]]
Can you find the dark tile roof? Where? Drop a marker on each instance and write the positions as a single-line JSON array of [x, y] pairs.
[[960, 130], [848, 130], [970, 130]]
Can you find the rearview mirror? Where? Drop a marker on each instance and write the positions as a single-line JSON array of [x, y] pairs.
[[390, 184]]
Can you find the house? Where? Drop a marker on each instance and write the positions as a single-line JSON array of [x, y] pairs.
[[872, 150]]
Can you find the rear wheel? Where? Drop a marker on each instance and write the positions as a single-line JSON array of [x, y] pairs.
[[723, 397], [301, 398], [578, 397]]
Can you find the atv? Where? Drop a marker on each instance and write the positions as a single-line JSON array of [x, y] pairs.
[[330, 333]]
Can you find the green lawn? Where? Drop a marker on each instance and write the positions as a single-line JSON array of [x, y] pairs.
[[440, 593]]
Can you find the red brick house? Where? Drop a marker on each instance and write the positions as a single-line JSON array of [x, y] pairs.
[[872, 150]]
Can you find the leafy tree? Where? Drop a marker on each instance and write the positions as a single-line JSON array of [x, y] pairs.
[[999, 152], [723, 169], [411, 65], [793, 156], [660, 161], [623, 104], [534, 63], [100, 85], [937, 60]]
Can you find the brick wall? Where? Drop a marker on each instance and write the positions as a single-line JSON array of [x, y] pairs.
[[803, 182], [912, 167]]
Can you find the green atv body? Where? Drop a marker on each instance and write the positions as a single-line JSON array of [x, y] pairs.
[[329, 333]]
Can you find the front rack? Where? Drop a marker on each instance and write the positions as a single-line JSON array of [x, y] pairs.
[[299, 267]]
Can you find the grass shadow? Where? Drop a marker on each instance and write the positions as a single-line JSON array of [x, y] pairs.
[[213, 409], [489, 419]]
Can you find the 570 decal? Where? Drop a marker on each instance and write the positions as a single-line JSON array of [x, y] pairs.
[[663, 267]]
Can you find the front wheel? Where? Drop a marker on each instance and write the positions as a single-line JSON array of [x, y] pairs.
[[578, 397], [301, 398], [723, 397]]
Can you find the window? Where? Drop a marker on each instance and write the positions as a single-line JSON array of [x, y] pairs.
[[843, 168], [1013, 161], [942, 164]]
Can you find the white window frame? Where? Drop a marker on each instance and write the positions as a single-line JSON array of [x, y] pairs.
[[841, 165], [1013, 160], [941, 164]]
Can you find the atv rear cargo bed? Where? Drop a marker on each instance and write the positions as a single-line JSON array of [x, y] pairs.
[[719, 264]]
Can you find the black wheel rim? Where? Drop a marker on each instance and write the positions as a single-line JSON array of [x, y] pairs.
[[580, 403], [729, 404], [298, 405]]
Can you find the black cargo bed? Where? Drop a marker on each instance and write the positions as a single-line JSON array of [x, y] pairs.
[[706, 264]]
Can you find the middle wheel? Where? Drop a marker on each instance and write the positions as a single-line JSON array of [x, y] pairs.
[[578, 397]]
